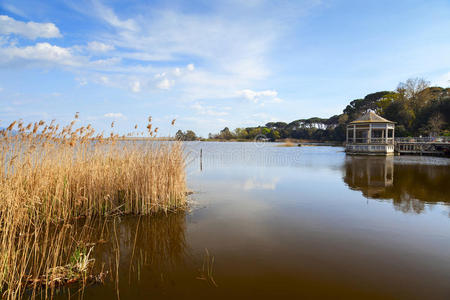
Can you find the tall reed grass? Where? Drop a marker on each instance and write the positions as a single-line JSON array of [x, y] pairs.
[[51, 176]]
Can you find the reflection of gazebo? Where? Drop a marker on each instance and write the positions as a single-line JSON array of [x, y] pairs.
[[373, 176], [370, 134]]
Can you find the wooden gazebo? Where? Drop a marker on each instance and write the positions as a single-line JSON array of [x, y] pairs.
[[370, 134]]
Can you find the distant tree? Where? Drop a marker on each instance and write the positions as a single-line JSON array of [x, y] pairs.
[[179, 135], [226, 134], [435, 124], [190, 136], [274, 135], [414, 107], [343, 119], [241, 133], [265, 131], [332, 122], [253, 132], [186, 136], [416, 92], [276, 125], [412, 87], [359, 106], [385, 101]]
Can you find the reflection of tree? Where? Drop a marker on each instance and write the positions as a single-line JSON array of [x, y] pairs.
[[158, 241], [133, 250], [409, 186], [132, 247]]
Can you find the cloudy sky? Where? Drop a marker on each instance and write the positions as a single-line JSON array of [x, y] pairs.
[[211, 64]]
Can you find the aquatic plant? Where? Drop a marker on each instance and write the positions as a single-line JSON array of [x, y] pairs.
[[51, 176], [207, 270]]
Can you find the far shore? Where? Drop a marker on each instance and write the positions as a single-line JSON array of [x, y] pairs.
[[299, 142], [281, 142]]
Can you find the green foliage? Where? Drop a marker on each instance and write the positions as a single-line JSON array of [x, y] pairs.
[[189, 135], [416, 108], [78, 255]]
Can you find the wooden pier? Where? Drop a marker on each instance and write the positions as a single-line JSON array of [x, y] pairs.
[[439, 146], [371, 134]]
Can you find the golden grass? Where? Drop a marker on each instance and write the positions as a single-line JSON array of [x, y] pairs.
[[287, 143], [51, 176]]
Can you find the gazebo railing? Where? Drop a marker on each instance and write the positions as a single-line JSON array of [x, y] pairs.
[[427, 139], [382, 140], [370, 141]]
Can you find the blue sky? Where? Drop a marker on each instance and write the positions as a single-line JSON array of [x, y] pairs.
[[211, 64]]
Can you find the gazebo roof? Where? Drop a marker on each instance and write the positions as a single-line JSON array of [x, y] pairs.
[[370, 117]]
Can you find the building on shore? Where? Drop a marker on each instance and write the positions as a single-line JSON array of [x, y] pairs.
[[370, 135]]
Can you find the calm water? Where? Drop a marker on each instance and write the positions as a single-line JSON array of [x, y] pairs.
[[290, 222]]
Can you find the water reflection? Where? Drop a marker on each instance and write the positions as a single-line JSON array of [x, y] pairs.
[[281, 223], [138, 253], [409, 186]]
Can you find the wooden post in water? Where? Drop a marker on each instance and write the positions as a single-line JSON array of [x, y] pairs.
[[201, 158]]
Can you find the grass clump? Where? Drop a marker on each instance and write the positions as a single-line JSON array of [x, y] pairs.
[[51, 176], [287, 143]]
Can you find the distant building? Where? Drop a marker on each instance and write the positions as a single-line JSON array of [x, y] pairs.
[[370, 134]]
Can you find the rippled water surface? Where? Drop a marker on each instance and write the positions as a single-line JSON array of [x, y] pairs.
[[291, 222]]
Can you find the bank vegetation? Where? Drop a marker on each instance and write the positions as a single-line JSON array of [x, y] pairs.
[[416, 107], [51, 177]]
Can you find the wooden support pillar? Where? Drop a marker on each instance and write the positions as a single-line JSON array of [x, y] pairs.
[[354, 134], [386, 133], [369, 137], [393, 132], [346, 135]]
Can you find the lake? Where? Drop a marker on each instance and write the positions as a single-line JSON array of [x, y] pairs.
[[290, 222]]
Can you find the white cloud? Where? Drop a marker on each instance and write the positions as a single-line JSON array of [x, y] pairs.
[[262, 97], [114, 115], [104, 79], [277, 100], [177, 72], [40, 52], [261, 115], [13, 9], [255, 96], [81, 81], [160, 75], [208, 110], [145, 56], [108, 15], [99, 47], [45, 55], [164, 84], [136, 86], [233, 51], [31, 30]]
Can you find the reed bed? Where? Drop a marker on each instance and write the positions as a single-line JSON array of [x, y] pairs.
[[287, 143], [52, 176]]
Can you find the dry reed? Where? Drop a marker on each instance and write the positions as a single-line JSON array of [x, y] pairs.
[[51, 176], [287, 143]]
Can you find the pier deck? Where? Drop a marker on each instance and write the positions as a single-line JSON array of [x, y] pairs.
[[423, 146]]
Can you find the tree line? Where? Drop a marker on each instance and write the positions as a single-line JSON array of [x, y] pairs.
[[417, 109]]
